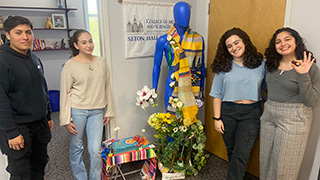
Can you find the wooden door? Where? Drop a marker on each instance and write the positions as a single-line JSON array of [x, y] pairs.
[[259, 19]]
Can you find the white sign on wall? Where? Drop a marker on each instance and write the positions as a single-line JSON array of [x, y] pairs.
[[144, 23]]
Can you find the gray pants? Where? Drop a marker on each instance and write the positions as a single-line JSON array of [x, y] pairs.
[[283, 137]]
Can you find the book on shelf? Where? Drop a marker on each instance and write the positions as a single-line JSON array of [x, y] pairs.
[[40, 44], [36, 44], [47, 44]]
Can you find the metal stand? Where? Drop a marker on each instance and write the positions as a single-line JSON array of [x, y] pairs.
[[118, 166]]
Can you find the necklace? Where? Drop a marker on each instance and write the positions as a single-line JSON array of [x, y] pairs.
[[284, 67], [90, 67], [281, 72]]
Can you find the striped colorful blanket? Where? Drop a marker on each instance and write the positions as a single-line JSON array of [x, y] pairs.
[[129, 157], [148, 169]]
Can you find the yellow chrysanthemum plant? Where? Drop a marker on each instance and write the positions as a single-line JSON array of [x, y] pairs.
[[180, 148]]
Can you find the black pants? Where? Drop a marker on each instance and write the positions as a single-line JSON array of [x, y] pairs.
[[241, 124], [28, 163]]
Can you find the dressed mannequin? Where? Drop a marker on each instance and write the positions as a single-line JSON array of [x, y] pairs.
[[181, 12]]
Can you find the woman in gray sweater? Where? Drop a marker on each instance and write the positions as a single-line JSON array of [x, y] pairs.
[[293, 88]]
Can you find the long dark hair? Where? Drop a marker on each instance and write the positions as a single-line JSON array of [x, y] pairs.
[[14, 21], [273, 58], [223, 60], [74, 39]]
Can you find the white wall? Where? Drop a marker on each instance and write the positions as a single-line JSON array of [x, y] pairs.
[[201, 26], [130, 75], [303, 16]]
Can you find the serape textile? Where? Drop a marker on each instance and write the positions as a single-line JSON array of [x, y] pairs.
[[187, 90], [149, 169], [147, 154]]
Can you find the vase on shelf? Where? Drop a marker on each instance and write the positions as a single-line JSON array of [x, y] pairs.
[[60, 3]]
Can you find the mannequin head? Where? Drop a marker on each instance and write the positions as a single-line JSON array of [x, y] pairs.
[[181, 14]]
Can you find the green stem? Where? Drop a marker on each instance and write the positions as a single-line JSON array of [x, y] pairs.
[[189, 152], [155, 106], [162, 144]]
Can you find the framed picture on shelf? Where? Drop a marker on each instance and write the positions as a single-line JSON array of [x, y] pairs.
[[59, 21]]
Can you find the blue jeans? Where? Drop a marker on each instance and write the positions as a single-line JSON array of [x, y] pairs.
[[242, 124], [90, 121]]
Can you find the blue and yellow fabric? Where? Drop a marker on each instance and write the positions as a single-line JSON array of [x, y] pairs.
[[187, 80]]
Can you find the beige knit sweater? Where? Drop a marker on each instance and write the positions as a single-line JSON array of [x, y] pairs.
[[85, 86]]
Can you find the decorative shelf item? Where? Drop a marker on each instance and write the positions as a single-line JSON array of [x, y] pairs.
[[60, 3]]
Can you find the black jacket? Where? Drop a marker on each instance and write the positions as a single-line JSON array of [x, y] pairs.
[[23, 91]]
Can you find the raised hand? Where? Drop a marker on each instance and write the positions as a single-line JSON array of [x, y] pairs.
[[303, 66]]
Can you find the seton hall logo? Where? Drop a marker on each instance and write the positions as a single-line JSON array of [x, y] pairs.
[[134, 26]]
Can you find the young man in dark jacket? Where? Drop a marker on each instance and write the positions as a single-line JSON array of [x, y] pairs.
[[25, 115]]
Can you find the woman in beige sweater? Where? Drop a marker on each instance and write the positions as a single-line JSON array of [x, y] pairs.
[[85, 102]]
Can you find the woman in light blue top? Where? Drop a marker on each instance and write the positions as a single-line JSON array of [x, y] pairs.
[[236, 91]]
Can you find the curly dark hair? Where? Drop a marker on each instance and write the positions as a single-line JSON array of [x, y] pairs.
[[273, 58], [222, 62], [74, 39]]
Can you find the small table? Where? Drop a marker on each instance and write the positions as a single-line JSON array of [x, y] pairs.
[[148, 170]]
